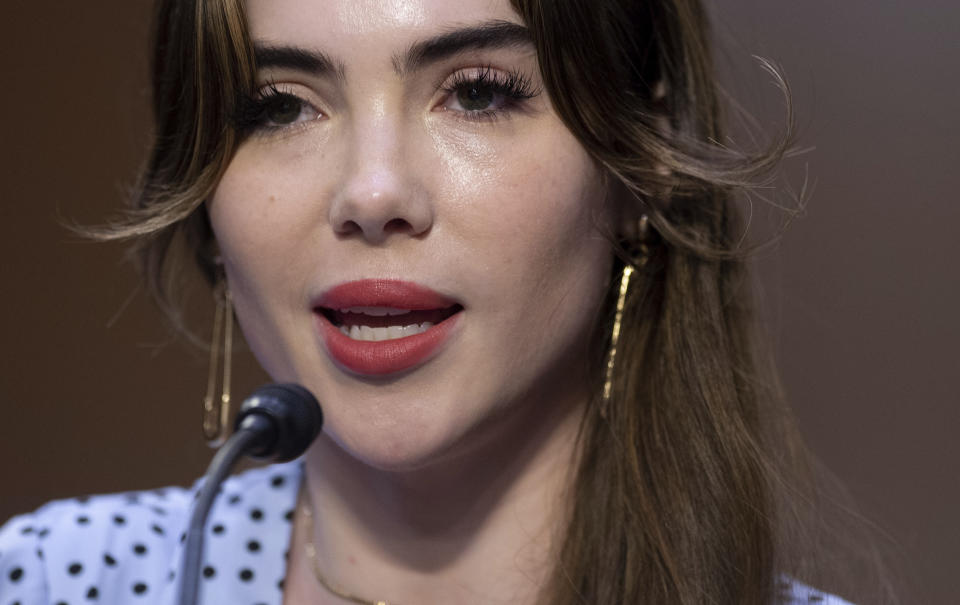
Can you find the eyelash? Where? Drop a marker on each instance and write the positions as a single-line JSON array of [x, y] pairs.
[[251, 109], [513, 87]]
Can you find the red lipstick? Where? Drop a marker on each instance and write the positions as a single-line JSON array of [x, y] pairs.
[[380, 303]]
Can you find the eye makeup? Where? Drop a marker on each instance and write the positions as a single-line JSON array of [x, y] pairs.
[[271, 109], [485, 93], [480, 94]]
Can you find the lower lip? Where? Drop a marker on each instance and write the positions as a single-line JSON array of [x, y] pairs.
[[382, 357]]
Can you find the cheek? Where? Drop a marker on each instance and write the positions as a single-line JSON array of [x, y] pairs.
[[239, 212], [533, 204], [259, 219], [254, 220], [531, 217]]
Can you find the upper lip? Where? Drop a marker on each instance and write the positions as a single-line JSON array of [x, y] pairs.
[[390, 293]]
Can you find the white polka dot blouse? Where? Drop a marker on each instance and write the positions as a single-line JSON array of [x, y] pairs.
[[126, 548]]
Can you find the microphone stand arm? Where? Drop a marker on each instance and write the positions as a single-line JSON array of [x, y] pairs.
[[254, 431]]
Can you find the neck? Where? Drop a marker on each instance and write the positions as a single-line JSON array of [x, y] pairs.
[[477, 527]]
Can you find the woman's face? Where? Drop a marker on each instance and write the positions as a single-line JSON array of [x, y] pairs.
[[404, 168]]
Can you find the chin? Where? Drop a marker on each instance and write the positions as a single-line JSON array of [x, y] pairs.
[[400, 446]]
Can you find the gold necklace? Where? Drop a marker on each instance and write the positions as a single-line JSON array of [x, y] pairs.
[[306, 507]]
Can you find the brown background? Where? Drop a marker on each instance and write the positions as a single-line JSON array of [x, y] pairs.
[[864, 290]]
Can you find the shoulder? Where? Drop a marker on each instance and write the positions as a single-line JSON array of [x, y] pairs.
[[117, 546], [792, 592], [22, 578], [70, 548]]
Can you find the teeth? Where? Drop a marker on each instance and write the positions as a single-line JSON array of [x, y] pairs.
[[375, 311], [366, 333]]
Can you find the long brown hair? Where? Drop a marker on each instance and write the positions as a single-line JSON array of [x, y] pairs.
[[673, 499], [693, 486]]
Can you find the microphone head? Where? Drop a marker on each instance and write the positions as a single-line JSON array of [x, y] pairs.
[[293, 412]]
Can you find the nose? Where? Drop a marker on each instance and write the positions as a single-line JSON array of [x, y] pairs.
[[380, 194]]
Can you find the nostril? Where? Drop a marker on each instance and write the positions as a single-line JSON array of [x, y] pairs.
[[349, 228], [377, 217], [397, 225]]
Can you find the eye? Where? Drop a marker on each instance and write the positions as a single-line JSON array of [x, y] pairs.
[[283, 109], [476, 97], [272, 109], [485, 93]]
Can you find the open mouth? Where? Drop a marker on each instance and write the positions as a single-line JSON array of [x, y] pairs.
[[377, 327], [374, 324]]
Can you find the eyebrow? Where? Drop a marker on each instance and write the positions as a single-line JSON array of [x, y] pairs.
[[489, 34], [300, 59]]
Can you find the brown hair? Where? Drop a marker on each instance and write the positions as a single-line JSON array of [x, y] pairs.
[[693, 486], [673, 501]]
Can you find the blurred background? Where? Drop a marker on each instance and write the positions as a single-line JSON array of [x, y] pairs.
[[863, 291]]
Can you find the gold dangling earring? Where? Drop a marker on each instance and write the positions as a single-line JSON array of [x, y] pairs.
[[639, 255], [216, 413]]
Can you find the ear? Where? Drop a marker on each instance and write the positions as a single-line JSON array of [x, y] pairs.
[[662, 120], [202, 244], [630, 205], [627, 208]]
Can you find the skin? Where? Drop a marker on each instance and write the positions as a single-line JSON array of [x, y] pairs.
[[428, 484]]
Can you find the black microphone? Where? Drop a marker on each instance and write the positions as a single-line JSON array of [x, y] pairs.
[[277, 422]]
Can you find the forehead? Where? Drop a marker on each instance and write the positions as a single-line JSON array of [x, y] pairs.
[[366, 26]]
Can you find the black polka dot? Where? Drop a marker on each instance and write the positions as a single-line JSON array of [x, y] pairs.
[[119, 520], [26, 531], [132, 498], [140, 549], [139, 588], [209, 572], [278, 481], [83, 499], [235, 499], [280, 584], [160, 493], [62, 603], [93, 593], [40, 553], [157, 529], [109, 560], [183, 537], [159, 510], [83, 520], [171, 575], [218, 529], [256, 514], [815, 598], [15, 574], [246, 574], [253, 546], [288, 515], [75, 569], [43, 533]]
